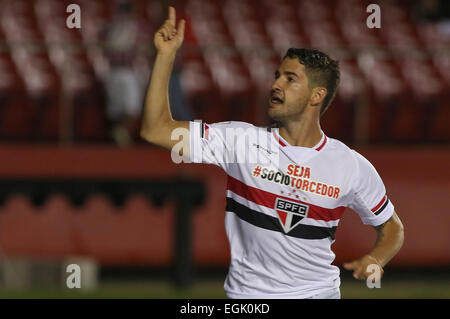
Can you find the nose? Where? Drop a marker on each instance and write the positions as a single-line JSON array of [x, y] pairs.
[[276, 85]]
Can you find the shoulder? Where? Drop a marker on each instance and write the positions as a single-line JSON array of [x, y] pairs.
[[235, 128], [349, 157], [217, 127], [340, 150], [363, 163], [231, 124], [226, 130]]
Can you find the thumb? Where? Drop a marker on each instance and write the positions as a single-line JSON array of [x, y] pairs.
[[350, 265]]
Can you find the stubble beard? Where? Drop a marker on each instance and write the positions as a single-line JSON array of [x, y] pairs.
[[284, 114]]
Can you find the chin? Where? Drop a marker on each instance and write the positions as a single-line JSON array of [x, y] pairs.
[[275, 114]]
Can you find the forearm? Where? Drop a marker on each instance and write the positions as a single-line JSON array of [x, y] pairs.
[[157, 108], [158, 126], [389, 241]]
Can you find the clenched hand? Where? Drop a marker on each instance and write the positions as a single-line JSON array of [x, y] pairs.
[[169, 38]]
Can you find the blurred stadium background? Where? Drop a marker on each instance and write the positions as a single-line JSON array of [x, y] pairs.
[[78, 185]]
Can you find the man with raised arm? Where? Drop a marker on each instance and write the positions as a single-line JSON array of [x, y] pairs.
[[282, 209]]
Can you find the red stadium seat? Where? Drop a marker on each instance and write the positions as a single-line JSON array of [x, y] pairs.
[[244, 25], [285, 34], [233, 82], [431, 35], [15, 112], [348, 108], [261, 67], [426, 90], [387, 92], [199, 88], [44, 88], [358, 37], [441, 63], [310, 11], [421, 77]]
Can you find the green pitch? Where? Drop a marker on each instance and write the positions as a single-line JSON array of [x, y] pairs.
[[213, 289]]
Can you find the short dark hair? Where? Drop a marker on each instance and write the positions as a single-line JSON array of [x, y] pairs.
[[320, 69]]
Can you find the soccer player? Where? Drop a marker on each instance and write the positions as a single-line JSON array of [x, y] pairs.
[[282, 214]]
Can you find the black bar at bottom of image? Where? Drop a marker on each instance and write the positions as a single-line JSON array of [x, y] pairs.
[[218, 308]]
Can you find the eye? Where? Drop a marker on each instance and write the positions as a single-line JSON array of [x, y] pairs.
[[290, 79], [277, 75]]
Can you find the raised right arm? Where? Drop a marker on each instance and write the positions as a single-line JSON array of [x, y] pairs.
[[158, 124]]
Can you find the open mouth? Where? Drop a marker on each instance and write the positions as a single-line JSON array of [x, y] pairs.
[[275, 100]]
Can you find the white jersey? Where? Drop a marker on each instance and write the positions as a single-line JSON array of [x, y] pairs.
[[284, 207]]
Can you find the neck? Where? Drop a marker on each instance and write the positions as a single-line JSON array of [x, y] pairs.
[[305, 132]]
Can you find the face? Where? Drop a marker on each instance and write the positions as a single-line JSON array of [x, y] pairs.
[[290, 93]]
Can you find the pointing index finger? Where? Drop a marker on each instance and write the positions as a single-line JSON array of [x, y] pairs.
[[172, 15]]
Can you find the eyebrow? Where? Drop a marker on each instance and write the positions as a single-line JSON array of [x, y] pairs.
[[287, 73], [291, 73]]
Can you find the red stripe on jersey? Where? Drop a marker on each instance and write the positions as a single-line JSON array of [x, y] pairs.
[[373, 210], [268, 199], [323, 144], [207, 132], [279, 139]]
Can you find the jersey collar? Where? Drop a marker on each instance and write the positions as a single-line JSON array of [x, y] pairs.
[[284, 143]]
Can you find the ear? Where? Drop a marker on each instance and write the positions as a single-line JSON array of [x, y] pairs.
[[318, 95]]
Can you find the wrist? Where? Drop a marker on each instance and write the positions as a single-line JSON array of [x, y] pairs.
[[376, 258], [166, 55]]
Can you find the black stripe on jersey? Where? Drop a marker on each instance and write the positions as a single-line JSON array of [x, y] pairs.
[[272, 223], [382, 207], [202, 129]]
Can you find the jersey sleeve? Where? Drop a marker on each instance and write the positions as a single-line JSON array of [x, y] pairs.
[[370, 200], [209, 143]]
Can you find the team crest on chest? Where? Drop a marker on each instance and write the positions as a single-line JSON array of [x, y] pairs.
[[290, 213]]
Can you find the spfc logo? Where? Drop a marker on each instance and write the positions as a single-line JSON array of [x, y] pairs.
[[290, 213]]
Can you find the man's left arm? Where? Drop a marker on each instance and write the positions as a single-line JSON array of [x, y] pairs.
[[390, 237]]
